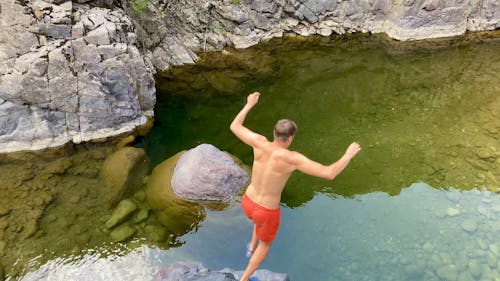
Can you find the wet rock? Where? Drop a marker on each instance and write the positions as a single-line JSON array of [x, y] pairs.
[[452, 212], [141, 216], [124, 170], [206, 173], [4, 210], [428, 247], [2, 247], [155, 233], [465, 276], [140, 195], [475, 268], [122, 233], [196, 271], [469, 225], [177, 215], [124, 209], [485, 153], [448, 272]]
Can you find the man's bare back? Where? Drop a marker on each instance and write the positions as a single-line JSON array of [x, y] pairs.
[[272, 166]]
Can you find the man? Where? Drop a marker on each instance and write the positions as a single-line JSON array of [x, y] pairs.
[[272, 166]]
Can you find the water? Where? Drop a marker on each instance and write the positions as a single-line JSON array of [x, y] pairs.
[[419, 202], [421, 234]]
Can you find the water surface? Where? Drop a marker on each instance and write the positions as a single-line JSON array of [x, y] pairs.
[[419, 202]]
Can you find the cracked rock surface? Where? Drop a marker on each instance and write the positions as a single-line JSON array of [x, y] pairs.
[[69, 73]]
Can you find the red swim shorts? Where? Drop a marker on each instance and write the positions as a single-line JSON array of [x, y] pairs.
[[267, 221]]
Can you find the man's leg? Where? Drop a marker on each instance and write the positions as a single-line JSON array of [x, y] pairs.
[[253, 242], [257, 258]]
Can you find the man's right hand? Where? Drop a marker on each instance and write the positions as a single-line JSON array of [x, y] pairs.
[[353, 149], [253, 98]]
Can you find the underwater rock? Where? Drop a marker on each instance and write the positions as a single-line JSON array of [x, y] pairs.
[[122, 211], [2, 247], [122, 233], [2, 274], [155, 233], [195, 271], [452, 212], [124, 170], [448, 272], [141, 216], [177, 215], [207, 173], [469, 225]]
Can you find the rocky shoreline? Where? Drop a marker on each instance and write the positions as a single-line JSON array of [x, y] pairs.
[[83, 70]]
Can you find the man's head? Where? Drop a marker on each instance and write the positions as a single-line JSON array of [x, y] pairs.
[[284, 130]]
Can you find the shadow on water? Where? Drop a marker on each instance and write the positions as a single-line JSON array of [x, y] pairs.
[[422, 112]]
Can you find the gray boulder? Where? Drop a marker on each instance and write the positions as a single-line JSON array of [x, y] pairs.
[[195, 271], [207, 173]]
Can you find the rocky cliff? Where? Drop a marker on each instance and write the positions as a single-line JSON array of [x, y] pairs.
[[69, 73], [72, 72]]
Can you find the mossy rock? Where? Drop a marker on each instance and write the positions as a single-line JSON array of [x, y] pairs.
[[177, 215], [122, 233], [123, 171]]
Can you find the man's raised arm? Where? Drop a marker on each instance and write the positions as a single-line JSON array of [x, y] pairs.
[[329, 172], [243, 133]]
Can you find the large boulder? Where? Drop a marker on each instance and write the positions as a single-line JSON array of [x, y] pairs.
[[195, 271], [177, 215], [124, 170], [207, 173]]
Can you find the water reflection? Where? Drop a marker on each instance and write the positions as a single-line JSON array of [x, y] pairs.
[[423, 233]]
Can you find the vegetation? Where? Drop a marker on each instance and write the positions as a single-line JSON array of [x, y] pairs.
[[139, 5]]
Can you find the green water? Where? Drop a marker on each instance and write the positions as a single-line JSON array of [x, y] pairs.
[[420, 201]]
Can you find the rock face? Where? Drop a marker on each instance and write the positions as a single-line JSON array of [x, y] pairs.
[[173, 33], [69, 72], [197, 272], [206, 173]]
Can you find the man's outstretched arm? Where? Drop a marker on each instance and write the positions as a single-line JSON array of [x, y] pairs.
[[329, 172], [242, 132]]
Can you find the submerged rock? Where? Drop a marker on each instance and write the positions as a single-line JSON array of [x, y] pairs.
[[177, 215], [124, 209], [195, 271], [207, 173], [122, 233], [469, 225], [124, 170]]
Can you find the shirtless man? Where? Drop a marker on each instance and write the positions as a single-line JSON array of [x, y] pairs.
[[272, 166]]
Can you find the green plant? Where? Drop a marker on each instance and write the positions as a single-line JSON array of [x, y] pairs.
[[139, 5], [235, 1]]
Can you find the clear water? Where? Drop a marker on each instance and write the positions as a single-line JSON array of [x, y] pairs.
[[419, 202]]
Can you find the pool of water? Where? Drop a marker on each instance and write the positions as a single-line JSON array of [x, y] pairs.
[[420, 202], [423, 233]]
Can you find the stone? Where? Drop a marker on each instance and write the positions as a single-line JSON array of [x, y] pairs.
[[124, 170], [155, 233], [122, 233], [475, 268], [142, 215], [124, 209], [2, 247], [469, 225], [206, 173], [57, 31], [451, 212], [448, 272], [196, 271], [178, 216]]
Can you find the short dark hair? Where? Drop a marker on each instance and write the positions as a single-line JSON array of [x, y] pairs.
[[284, 129]]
